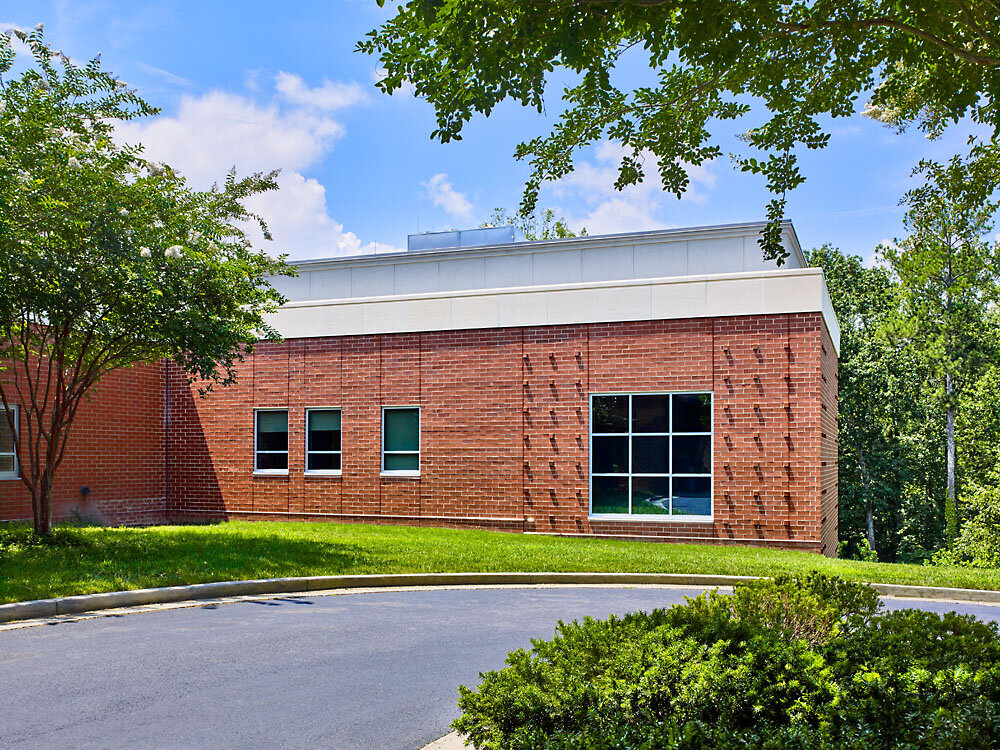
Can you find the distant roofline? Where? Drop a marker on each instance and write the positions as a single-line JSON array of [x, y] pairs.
[[675, 234]]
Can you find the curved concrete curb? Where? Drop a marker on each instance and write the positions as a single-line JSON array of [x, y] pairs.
[[70, 605]]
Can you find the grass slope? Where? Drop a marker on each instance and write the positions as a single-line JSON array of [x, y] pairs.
[[88, 560]]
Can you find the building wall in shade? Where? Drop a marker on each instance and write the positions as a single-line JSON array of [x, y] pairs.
[[115, 449]]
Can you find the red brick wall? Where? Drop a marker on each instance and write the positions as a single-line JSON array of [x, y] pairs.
[[504, 423], [828, 444], [115, 448]]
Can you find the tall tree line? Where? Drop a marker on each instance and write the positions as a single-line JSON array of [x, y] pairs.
[[920, 373]]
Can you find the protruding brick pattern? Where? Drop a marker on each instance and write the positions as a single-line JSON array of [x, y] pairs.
[[505, 432], [828, 438]]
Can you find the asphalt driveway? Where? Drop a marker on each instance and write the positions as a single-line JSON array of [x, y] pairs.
[[371, 670]]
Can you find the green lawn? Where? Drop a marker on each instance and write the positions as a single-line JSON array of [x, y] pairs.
[[87, 560]]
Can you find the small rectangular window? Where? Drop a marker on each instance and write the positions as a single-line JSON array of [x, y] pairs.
[[401, 440], [651, 455], [8, 455], [323, 440], [271, 449]]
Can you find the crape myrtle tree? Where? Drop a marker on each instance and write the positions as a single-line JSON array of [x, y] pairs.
[[107, 260], [948, 274], [929, 63]]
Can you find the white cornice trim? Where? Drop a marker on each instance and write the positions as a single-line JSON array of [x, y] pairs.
[[668, 298]]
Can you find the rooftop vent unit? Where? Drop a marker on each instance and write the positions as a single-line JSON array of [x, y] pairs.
[[460, 238]]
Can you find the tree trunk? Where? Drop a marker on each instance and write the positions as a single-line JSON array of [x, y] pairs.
[[951, 501], [41, 507], [869, 508]]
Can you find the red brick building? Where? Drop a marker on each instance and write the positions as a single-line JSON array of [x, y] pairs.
[[663, 385]]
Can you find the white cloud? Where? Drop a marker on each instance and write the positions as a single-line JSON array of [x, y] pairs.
[[442, 192], [330, 96], [299, 210], [212, 132], [251, 78], [846, 131], [634, 209], [407, 89], [166, 75]]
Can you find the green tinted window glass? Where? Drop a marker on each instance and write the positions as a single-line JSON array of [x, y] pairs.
[[324, 431], [324, 420], [272, 431], [272, 421], [402, 462], [402, 430]]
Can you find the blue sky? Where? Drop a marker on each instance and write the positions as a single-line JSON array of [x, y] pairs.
[[263, 85]]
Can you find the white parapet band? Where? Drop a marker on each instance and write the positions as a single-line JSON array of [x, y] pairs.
[[794, 290]]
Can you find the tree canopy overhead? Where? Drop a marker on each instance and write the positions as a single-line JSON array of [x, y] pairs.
[[926, 63]]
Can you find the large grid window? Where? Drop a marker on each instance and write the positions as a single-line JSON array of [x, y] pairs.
[[271, 442], [8, 455], [651, 454], [323, 441], [401, 440]]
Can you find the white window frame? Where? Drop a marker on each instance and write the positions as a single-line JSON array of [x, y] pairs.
[[16, 473], [420, 427], [269, 472], [653, 517], [325, 472]]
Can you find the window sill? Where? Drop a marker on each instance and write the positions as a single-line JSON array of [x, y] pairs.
[[270, 472], [321, 473], [651, 517], [9, 476], [400, 474]]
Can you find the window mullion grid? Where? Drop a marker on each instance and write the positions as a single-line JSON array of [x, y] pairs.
[[670, 454], [670, 434], [630, 467]]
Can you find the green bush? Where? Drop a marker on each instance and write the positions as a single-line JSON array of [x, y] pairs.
[[782, 664], [860, 550], [978, 544]]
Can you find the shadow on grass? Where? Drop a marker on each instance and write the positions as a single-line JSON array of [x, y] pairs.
[[91, 560]]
